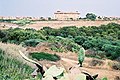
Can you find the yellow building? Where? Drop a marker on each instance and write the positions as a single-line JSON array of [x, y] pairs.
[[67, 15]]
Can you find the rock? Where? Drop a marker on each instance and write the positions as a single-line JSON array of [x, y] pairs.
[[117, 78], [95, 62], [118, 59]]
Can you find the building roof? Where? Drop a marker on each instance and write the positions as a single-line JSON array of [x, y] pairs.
[[59, 12]]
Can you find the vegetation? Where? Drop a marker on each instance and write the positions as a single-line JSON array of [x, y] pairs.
[[81, 56], [104, 78], [22, 22], [12, 69], [32, 42], [61, 44], [104, 40], [7, 20], [91, 16], [18, 35], [45, 56]]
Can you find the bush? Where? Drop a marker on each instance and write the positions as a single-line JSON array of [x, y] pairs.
[[18, 35], [91, 16], [32, 42], [81, 56], [112, 51], [54, 48], [22, 22], [105, 78], [45, 56], [63, 44], [80, 39]]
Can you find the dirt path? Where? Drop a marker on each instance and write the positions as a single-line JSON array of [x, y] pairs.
[[110, 74], [69, 59]]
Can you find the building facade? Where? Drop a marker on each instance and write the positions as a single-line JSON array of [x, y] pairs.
[[67, 15]]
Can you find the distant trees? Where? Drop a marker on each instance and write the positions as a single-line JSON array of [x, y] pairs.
[[7, 20], [49, 18], [22, 22], [91, 16]]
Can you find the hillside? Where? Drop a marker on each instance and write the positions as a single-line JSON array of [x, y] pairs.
[[12, 66], [102, 45], [69, 59]]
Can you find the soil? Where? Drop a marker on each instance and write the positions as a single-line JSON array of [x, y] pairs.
[[69, 59]]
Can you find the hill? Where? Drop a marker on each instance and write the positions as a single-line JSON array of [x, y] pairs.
[[101, 43]]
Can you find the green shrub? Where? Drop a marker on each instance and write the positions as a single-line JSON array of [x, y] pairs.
[[91, 16], [81, 56], [45, 56], [18, 35], [112, 51], [22, 22], [32, 42], [54, 48], [105, 78], [63, 44], [7, 20]]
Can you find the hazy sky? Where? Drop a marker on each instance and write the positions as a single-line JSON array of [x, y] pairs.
[[46, 8]]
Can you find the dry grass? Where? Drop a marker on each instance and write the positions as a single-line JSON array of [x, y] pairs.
[[12, 51], [58, 24]]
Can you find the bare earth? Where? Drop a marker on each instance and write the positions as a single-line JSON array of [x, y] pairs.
[[69, 59], [57, 24]]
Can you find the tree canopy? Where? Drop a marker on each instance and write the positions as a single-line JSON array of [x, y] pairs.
[[91, 16]]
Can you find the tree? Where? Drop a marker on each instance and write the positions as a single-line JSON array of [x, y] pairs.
[[81, 56], [80, 39], [91, 16], [71, 19], [49, 18], [22, 22]]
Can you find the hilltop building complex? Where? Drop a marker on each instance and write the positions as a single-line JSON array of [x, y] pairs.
[[67, 15]]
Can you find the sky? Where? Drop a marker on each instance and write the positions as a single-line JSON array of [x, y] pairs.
[[46, 8]]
